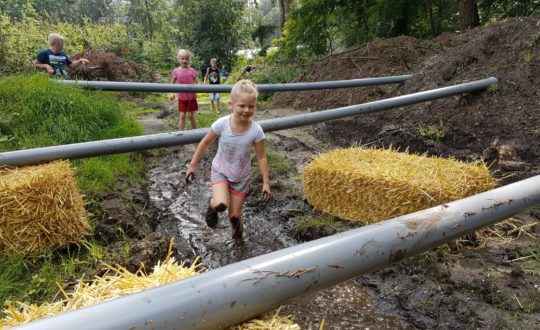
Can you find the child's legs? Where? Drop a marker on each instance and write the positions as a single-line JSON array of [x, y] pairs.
[[211, 101], [182, 120], [238, 191], [220, 194], [235, 215], [235, 206], [217, 100], [191, 116]]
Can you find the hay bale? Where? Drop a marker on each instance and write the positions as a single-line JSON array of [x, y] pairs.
[[121, 282], [371, 185], [41, 208]]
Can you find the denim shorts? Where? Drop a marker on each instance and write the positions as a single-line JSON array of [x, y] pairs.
[[239, 188], [214, 96]]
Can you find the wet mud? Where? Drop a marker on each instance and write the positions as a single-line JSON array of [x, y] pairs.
[[480, 285], [178, 211]]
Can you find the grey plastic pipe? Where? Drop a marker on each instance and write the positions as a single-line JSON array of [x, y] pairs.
[[156, 87], [120, 145], [229, 295]]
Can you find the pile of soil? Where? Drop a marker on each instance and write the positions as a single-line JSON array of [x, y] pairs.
[[110, 67], [499, 124], [481, 288], [443, 288]]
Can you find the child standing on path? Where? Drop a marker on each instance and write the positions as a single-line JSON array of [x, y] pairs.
[[187, 102], [231, 167], [213, 76]]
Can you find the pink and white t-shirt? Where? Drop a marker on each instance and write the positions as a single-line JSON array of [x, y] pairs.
[[185, 76], [233, 157]]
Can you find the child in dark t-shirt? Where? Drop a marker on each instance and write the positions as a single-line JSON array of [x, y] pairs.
[[54, 60], [213, 77]]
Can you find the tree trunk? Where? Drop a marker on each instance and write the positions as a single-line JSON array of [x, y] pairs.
[[468, 15], [284, 6]]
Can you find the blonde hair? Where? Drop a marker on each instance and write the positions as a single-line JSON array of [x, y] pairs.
[[243, 87], [54, 38], [183, 52]]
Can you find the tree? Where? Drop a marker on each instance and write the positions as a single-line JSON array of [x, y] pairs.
[[468, 15], [211, 28], [284, 6]]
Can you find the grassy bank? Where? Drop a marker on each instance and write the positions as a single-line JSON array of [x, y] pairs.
[[35, 111]]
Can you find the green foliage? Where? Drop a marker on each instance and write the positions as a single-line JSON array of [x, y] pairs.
[[206, 119], [308, 227], [528, 57], [154, 31], [35, 279], [309, 221], [239, 64], [21, 41], [272, 74], [38, 112], [35, 111], [217, 28], [100, 173], [495, 10], [434, 133], [277, 163]]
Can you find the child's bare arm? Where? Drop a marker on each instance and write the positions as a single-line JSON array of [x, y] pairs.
[[201, 149], [172, 95], [263, 166], [44, 66], [75, 64]]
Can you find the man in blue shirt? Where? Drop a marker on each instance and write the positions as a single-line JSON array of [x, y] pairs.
[[54, 60]]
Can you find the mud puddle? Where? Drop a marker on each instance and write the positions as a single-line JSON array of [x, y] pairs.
[[266, 226], [185, 205]]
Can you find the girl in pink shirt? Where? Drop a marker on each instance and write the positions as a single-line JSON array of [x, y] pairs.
[[187, 102]]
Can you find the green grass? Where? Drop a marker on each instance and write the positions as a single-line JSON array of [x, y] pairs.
[[36, 279], [35, 111], [206, 119], [310, 222], [528, 57], [156, 98], [529, 260], [144, 111], [205, 97], [277, 163]]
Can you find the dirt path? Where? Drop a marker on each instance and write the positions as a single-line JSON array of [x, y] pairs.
[[181, 214], [443, 288]]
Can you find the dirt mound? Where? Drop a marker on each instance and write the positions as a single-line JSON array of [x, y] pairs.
[[382, 57], [108, 66], [504, 117]]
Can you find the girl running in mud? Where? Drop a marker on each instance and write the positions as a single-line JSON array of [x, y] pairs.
[[237, 133], [187, 102]]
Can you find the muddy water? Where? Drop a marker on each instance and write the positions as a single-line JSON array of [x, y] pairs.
[[188, 203], [182, 208]]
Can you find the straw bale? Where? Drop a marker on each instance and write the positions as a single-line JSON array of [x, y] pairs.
[[120, 282], [370, 185], [41, 208]]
